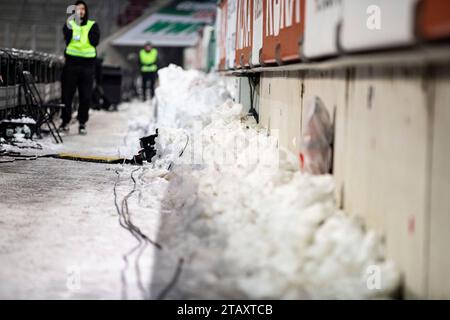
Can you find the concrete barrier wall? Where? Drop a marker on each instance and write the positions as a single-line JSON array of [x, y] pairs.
[[280, 106], [391, 155], [386, 164], [439, 257]]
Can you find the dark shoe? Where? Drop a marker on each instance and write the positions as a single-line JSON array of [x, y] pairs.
[[64, 127], [82, 130]]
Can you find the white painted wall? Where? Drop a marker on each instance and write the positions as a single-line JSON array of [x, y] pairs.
[[391, 156]]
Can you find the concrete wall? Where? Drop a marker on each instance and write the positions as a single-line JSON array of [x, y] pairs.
[[391, 155], [439, 256], [280, 106]]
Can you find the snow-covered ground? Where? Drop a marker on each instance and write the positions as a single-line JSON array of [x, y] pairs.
[[233, 208], [60, 235]]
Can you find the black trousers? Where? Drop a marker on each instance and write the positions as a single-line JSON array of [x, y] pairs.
[[146, 78], [79, 77]]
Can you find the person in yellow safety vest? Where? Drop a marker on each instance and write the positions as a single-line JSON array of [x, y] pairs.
[[148, 58], [79, 69]]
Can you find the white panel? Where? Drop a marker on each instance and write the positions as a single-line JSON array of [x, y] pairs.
[[376, 24], [244, 94], [257, 31], [231, 34], [321, 27], [217, 32]]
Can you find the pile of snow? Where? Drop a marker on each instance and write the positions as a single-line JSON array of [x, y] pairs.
[[183, 105], [248, 223], [185, 99], [278, 230]]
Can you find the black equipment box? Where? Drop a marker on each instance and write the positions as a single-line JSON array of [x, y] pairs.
[[112, 84]]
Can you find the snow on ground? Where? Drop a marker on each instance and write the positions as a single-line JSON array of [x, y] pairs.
[[234, 207], [60, 237], [110, 134]]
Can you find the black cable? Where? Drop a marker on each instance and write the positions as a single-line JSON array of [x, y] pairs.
[[128, 217], [253, 83], [143, 240], [124, 221], [7, 161], [123, 225], [172, 282], [181, 153], [17, 157], [185, 146]]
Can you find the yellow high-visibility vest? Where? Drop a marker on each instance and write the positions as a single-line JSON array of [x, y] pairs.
[[80, 45], [148, 60]]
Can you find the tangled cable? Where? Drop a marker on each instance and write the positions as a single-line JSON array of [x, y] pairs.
[[143, 240]]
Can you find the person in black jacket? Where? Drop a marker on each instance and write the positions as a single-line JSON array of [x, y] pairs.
[[79, 69]]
